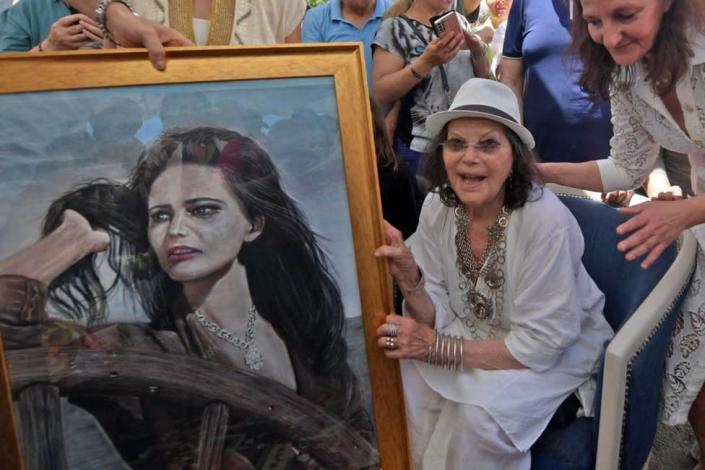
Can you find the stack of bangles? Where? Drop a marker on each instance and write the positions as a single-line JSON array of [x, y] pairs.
[[447, 352]]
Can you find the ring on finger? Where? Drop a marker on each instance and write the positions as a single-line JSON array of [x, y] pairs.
[[392, 329], [390, 342]]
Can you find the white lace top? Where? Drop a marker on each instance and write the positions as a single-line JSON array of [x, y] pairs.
[[642, 125]]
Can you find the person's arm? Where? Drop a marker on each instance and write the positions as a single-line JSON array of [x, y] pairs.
[[584, 175], [511, 73], [293, 11], [658, 186], [414, 340], [479, 58], [393, 78], [294, 36], [44, 260], [135, 31], [408, 275]]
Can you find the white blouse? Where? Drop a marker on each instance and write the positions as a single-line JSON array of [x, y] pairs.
[[642, 125], [551, 322]]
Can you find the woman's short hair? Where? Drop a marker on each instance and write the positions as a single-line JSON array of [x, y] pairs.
[[518, 186], [672, 51]]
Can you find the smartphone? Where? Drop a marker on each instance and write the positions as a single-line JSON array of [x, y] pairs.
[[448, 21]]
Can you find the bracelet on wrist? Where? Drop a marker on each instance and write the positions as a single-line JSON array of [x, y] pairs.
[[417, 289], [40, 48], [416, 73], [446, 351], [101, 19]]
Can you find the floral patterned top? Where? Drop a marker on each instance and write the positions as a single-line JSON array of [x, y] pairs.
[[642, 125]]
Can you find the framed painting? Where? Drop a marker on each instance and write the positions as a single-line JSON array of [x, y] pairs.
[[186, 262]]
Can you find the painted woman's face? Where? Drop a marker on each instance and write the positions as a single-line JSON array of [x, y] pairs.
[[196, 226]]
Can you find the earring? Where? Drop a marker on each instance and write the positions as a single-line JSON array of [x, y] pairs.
[[509, 182]]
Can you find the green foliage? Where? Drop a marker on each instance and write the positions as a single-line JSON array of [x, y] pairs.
[[315, 3]]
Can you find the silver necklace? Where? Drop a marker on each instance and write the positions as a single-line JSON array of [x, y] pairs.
[[253, 358], [490, 266]]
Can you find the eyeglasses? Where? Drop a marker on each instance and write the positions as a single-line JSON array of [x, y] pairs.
[[458, 147]]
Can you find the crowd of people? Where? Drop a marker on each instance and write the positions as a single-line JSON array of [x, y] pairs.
[[500, 323]]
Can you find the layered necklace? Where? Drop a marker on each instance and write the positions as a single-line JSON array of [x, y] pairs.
[[246, 343], [489, 267]]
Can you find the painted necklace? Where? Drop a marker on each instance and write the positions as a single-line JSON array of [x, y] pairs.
[[253, 357]]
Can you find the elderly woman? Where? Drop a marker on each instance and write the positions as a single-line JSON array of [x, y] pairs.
[[502, 322]]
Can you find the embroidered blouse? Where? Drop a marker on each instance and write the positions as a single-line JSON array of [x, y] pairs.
[[642, 125]]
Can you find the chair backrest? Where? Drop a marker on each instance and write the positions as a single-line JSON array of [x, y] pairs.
[[626, 286], [623, 282]]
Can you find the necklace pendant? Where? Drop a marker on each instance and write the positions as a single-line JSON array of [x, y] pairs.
[[253, 358], [481, 305]]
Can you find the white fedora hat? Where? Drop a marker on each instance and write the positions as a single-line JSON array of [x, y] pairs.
[[483, 98]]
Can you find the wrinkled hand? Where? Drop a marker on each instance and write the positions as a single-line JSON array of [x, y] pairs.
[[97, 240], [402, 265], [134, 31], [71, 32], [411, 341], [617, 198], [442, 50], [654, 226]]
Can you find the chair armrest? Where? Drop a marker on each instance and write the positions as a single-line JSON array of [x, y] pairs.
[[594, 195], [634, 336]]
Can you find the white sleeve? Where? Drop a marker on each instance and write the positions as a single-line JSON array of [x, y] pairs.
[[428, 253], [293, 14], [545, 314], [633, 150]]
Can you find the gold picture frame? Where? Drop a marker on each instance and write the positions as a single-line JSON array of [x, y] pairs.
[[340, 68]]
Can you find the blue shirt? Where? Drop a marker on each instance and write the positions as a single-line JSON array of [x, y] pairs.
[[325, 23], [27, 23], [566, 124]]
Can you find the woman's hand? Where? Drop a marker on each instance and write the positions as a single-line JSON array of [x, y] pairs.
[[94, 240], [136, 31], [617, 198], [402, 264], [405, 338], [475, 43], [71, 32], [654, 226], [674, 193], [442, 50]]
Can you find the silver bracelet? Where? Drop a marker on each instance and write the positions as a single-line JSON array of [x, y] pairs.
[[100, 18], [418, 288]]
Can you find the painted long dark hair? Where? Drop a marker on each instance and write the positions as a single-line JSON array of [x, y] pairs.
[[289, 276]]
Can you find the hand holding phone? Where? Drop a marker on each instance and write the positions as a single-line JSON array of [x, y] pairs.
[[450, 21]]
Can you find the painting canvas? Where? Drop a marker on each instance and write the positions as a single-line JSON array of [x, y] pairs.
[[199, 248]]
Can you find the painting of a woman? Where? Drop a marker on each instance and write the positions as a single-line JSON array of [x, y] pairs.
[[204, 236]]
